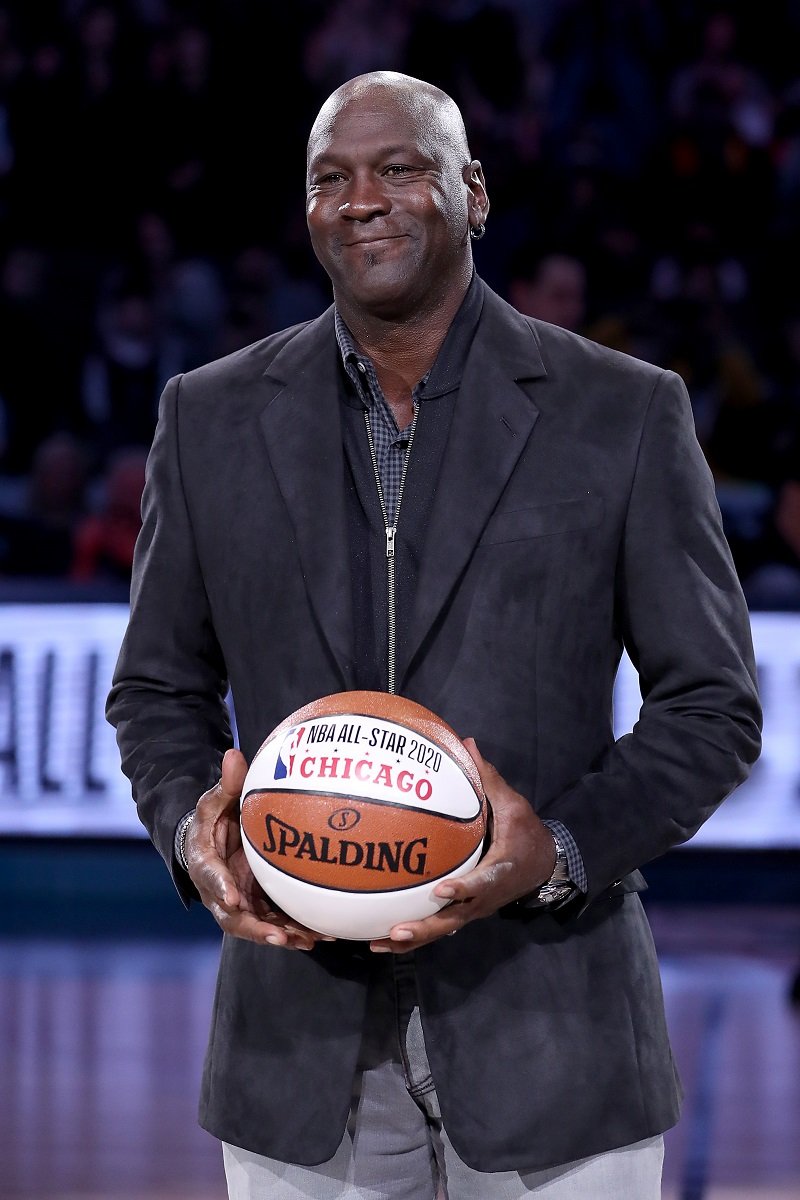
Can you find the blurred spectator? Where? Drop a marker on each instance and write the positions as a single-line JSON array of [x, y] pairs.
[[355, 36], [38, 539], [605, 106], [186, 291], [553, 289], [719, 87], [744, 446], [747, 432], [722, 115], [701, 275], [774, 581], [98, 186], [11, 67], [700, 290], [11, 56], [785, 357], [40, 112], [786, 157], [125, 372], [38, 372], [104, 540], [264, 295], [181, 112], [249, 285]]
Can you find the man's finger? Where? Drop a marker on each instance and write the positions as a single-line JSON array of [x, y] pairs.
[[486, 770], [234, 770], [207, 867]]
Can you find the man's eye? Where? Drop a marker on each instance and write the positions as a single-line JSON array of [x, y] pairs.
[[398, 169]]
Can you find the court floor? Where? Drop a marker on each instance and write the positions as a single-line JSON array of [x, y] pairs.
[[102, 1046]]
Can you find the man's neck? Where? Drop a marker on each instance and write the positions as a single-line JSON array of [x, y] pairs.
[[399, 365], [402, 350]]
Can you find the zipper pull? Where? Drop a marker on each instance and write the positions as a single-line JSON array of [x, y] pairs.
[[390, 532]]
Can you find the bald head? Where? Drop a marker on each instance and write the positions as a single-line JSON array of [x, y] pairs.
[[427, 106]]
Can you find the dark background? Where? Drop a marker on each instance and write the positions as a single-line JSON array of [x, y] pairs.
[[152, 218]]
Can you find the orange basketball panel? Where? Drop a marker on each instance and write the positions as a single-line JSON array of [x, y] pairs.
[[355, 844]]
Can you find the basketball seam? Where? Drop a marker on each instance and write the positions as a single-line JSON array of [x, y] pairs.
[[396, 804]]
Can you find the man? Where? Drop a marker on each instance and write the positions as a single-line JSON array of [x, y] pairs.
[[551, 505]]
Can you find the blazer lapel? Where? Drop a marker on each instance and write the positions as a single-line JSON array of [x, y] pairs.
[[492, 421], [302, 428]]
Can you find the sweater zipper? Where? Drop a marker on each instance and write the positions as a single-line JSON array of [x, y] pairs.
[[391, 530]]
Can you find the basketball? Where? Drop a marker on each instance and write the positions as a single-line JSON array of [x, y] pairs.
[[355, 807]]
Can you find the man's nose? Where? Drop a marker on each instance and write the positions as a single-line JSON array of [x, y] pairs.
[[364, 198]]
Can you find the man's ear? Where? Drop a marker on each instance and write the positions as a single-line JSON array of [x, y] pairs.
[[479, 198]]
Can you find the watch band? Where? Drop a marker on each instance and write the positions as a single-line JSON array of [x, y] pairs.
[[180, 838], [559, 886]]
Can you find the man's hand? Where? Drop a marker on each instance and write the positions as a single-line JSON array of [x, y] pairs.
[[520, 858], [221, 873]]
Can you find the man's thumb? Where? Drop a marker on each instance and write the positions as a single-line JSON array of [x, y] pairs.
[[234, 770]]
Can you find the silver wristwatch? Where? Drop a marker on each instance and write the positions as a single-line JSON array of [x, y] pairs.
[[559, 886]]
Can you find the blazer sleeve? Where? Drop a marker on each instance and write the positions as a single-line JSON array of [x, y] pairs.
[[168, 696], [685, 625]]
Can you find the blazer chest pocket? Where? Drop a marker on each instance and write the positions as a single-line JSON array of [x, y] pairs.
[[562, 516]]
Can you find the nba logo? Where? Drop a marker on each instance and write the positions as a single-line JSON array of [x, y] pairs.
[[285, 759]]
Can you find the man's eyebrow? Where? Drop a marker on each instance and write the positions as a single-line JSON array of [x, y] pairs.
[[392, 151], [401, 148]]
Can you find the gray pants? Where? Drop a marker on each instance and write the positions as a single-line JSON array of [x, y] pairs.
[[396, 1148]]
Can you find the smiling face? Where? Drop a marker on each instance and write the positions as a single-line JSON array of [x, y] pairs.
[[391, 193]]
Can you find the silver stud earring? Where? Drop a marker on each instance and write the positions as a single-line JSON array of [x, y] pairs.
[[476, 232]]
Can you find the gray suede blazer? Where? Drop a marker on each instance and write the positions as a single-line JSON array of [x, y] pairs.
[[574, 516]]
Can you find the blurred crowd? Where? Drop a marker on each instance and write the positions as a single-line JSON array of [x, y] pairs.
[[642, 158]]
